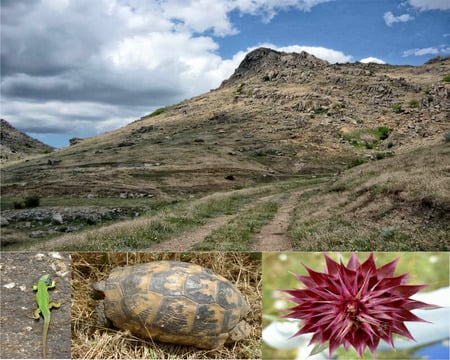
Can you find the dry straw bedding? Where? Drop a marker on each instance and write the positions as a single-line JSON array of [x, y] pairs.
[[89, 341]]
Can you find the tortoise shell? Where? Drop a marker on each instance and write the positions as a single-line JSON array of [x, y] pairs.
[[174, 302]]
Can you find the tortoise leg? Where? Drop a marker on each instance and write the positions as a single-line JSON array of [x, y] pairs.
[[239, 332]]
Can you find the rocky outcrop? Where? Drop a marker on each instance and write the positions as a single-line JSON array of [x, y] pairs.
[[16, 145]]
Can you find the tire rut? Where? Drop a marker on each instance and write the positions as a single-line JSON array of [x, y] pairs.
[[273, 236], [186, 240]]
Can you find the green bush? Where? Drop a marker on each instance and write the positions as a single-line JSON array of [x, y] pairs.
[[18, 205], [157, 112], [356, 162], [413, 103], [383, 132], [397, 108], [32, 201], [446, 78]]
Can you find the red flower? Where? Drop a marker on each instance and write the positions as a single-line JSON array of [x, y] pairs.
[[355, 305]]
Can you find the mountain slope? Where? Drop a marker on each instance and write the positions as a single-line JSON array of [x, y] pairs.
[[278, 115], [361, 151], [16, 145]]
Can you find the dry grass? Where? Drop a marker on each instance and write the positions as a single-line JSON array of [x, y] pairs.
[[400, 203], [89, 341], [169, 221]]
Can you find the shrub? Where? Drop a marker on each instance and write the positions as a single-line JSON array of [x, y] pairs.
[[32, 201], [157, 112], [18, 205], [356, 162], [320, 110], [447, 137], [383, 132], [397, 108], [413, 103], [446, 78]]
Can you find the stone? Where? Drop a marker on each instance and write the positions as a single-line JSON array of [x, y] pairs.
[[3, 221], [38, 234], [57, 219]]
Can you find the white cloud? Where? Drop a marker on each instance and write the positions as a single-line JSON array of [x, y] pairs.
[[427, 51], [390, 19], [371, 59], [430, 4]]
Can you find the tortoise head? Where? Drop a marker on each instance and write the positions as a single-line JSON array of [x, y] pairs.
[[99, 286]]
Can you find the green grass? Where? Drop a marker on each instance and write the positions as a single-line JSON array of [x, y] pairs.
[[157, 112], [238, 234], [397, 108], [341, 234], [368, 137], [170, 222]]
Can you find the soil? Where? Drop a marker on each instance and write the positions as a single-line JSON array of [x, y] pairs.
[[273, 236], [21, 335]]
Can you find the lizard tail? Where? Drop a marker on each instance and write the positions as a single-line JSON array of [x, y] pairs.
[[44, 340]]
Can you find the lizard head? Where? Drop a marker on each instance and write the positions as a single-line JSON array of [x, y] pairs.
[[45, 278]]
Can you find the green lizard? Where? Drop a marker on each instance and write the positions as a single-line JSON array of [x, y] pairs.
[[44, 306]]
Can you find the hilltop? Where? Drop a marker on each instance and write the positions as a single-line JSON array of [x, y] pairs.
[[15, 144], [280, 116]]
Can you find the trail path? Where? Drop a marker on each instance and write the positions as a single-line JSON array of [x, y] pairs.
[[273, 236], [186, 240]]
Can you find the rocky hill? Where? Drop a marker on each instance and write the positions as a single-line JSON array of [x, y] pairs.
[[371, 140], [16, 145], [278, 115]]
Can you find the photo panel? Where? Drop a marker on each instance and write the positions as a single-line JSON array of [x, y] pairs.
[[344, 305], [35, 286], [180, 305]]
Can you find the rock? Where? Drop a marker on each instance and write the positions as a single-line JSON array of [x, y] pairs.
[[57, 219], [75, 140], [38, 234], [53, 162], [3, 221]]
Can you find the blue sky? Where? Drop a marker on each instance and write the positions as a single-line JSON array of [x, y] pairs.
[[77, 68]]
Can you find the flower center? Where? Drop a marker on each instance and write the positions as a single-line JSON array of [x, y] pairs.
[[352, 308]]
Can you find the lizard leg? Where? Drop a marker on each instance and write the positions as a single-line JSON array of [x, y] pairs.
[[52, 285], [53, 305], [35, 287], [37, 314]]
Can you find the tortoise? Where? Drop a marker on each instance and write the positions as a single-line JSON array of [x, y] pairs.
[[174, 302]]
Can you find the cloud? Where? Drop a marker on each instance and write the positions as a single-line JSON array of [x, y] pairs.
[[74, 66], [427, 51], [390, 19], [430, 4], [269, 8], [372, 60]]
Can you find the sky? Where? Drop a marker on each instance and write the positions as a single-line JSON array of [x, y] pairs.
[[78, 68]]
